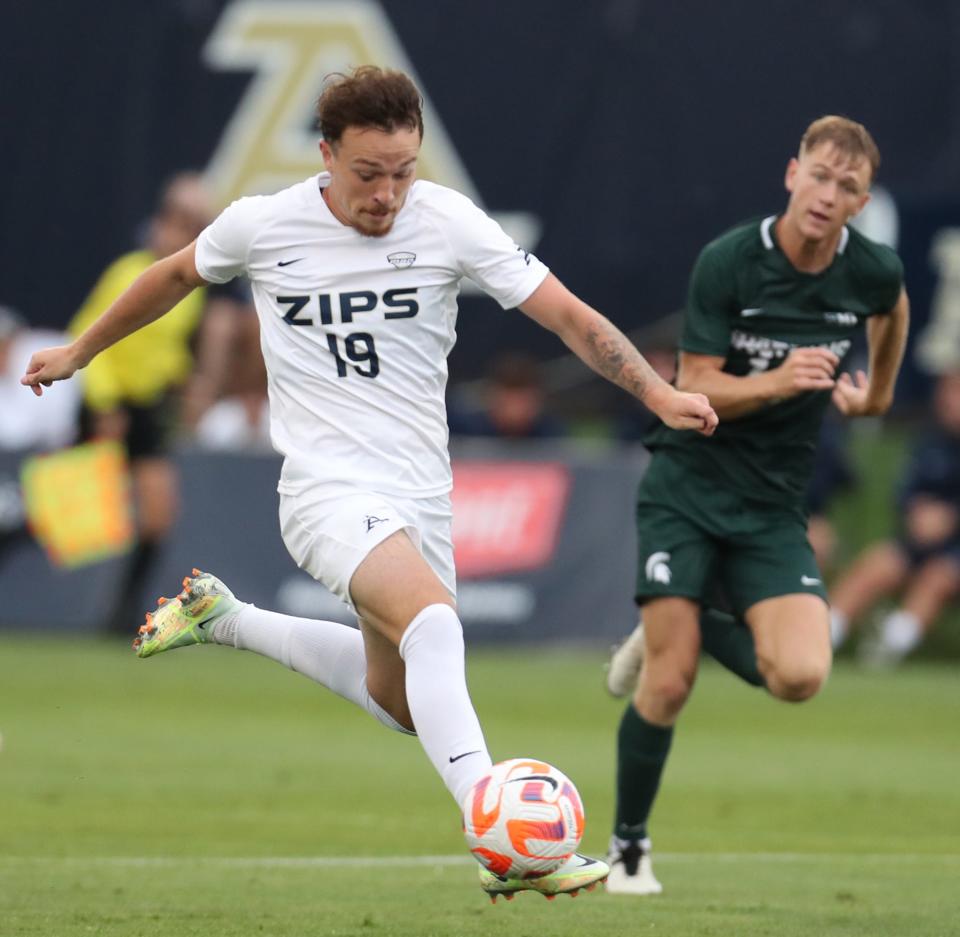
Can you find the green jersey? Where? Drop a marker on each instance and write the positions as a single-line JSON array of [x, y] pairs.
[[749, 305]]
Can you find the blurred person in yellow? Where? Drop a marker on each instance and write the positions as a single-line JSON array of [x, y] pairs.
[[131, 391]]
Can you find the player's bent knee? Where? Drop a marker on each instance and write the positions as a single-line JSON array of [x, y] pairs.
[[798, 691], [667, 693], [795, 683]]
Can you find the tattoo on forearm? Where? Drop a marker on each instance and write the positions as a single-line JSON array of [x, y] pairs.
[[616, 359]]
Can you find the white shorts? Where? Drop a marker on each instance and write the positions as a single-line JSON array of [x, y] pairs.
[[329, 532]]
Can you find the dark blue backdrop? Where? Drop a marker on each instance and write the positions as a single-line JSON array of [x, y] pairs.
[[634, 130]]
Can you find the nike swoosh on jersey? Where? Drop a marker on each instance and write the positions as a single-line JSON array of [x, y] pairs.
[[286, 263], [809, 581], [746, 313]]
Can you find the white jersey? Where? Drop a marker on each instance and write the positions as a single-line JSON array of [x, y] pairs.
[[356, 330]]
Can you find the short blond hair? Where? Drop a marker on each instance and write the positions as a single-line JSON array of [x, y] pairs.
[[846, 135]]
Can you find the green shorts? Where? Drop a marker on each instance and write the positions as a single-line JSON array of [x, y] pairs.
[[716, 546]]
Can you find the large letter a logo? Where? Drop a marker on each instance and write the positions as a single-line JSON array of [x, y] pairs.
[[270, 141]]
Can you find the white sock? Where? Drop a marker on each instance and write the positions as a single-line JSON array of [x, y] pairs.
[[327, 652], [900, 632], [447, 725], [839, 627]]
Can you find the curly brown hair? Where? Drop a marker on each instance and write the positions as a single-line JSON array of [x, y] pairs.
[[369, 96]]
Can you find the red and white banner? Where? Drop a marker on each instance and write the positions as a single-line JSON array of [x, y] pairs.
[[507, 515], [546, 550]]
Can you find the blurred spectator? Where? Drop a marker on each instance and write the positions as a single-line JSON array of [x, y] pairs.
[[131, 389], [237, 423], [514, 404], [240, 420], [227, 357], [26, 424], [923, 560], [937, 344]]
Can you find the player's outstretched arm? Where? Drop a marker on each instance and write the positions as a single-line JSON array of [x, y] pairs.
[[886, 340], [156, 291], [602, 346]]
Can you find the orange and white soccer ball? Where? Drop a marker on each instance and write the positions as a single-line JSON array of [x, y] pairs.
[[523, 819]]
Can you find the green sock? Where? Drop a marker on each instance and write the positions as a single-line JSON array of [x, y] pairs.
[[642, 750], [730, 642]]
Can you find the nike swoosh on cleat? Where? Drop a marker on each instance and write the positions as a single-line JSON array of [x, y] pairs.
[[586, 861], [454, 758], [286, 263]]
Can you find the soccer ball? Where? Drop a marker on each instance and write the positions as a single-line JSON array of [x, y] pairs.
[[523, 819]]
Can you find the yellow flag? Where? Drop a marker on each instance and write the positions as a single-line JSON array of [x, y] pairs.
[[78, 502]]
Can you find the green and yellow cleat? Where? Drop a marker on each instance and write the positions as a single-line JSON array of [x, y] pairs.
[[187, 619], [576, 873]]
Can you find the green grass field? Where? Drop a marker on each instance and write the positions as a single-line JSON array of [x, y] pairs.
[[208, 792]]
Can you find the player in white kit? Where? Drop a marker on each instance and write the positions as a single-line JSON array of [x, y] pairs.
[[355, 274]]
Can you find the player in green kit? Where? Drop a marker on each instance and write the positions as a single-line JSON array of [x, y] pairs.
[[773, 308]]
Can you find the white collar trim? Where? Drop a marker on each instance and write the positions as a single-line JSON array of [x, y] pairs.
[[765, 235], [844, 238]]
